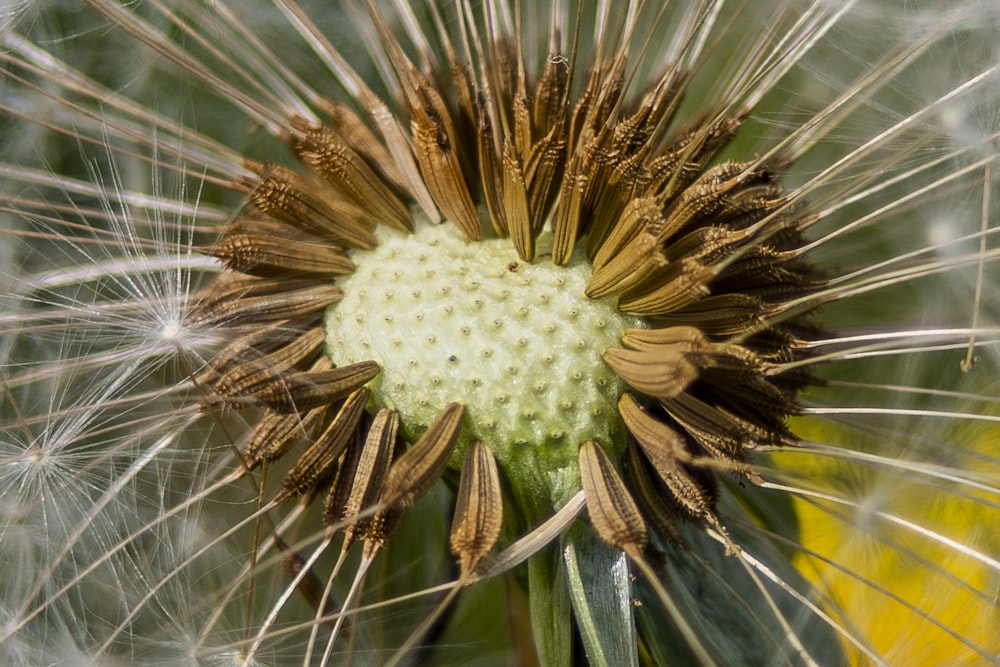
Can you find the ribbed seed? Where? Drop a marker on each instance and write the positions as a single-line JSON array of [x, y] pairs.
[[677, 285], [516, 211], [550, 94], [664, 373], [439, 163], [651, 433], [478, 509], [336, 161], [613, 512], [230, 287], [543, 171], [359, 136], [248, 300], [413, 473], [705, 196], [270, 249], [310, 389], [641, 257], [621, 188], [726, 437], [310, 205], [362, 475], [695, 147], [521, 114], [688, 339], [665, 449], [637, 215], [722, 315], [491, 175], [316, 463], [737, 375], [658, 505], [567, 227], [707, 244], [276, 433], [249, 377], [259, 342]]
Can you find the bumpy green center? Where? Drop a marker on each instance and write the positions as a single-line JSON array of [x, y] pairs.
[[518, 344]]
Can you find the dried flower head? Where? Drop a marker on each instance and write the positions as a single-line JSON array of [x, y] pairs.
[[523, 262]]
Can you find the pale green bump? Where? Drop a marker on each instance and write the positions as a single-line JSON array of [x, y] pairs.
[[518, 344]]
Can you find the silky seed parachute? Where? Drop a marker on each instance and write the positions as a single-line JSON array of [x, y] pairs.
[[519, 264]]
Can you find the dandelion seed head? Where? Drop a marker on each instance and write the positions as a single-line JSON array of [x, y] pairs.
[[307, 345]]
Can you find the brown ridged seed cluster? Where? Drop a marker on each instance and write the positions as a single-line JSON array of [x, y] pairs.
[[707, 252]]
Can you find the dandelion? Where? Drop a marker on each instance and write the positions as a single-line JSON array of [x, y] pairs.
[[481, 332]]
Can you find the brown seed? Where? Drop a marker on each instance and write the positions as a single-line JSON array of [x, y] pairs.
[[478, 509], [357, 134], [361, 477], [543, 173], [613, 512], [465, 96], [401, 148], [275, 434], [242, 300], [316, 463], [686, 339], [250, 376], [725, 436], [651, 433], [706, 196], [722, 315], [550, 93], [581, 121], [708, 244], [662, 373], [687, 156], [501, 70], [569, 212], [673, 287], [641, 257], [666, 451], [413, 473], [658, 505], [622, 187], [491, 174], [340, 166], [738, 377], [309, 204], [516, 212], [522, 115], [439, 163], [230, 286], [310, 389], [271, 249], [259, 342], [639, 214]]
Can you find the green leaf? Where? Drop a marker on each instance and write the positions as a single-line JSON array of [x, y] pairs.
[[600, 589], [550, 609]]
